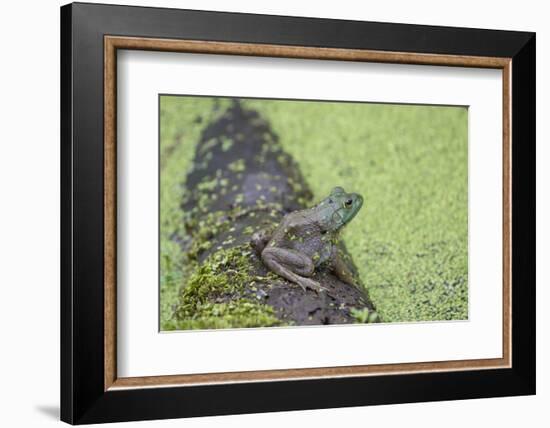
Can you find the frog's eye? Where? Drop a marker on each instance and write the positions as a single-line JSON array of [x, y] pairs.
[[348, 203]]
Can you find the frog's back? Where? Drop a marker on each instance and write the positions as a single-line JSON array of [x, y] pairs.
[[296, 223], [300, 231]]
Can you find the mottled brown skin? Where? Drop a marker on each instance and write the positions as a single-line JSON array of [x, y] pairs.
[[307, 238]]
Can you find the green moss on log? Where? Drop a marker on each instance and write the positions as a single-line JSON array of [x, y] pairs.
[[240, 313], [214, 296]]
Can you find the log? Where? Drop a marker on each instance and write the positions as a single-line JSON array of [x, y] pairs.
[[242, 181]]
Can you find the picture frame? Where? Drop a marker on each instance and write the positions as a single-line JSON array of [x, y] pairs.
[[91, 390]]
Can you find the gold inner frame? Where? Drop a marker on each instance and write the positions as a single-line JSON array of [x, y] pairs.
[[112, 43]]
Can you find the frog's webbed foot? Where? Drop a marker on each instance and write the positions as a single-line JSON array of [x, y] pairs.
[[306, 283], [291, 265]]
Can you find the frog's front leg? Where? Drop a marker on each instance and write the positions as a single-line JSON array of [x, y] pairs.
[[341, 269], [292, 265]]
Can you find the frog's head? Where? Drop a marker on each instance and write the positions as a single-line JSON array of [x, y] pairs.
[[339, 208]]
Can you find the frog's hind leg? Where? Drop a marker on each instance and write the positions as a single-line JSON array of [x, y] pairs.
[[259, 240], [291, 265]]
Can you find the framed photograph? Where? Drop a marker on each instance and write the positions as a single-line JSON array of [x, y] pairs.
[[265, 213]]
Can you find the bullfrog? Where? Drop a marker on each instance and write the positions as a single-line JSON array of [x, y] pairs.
[[307, 238]]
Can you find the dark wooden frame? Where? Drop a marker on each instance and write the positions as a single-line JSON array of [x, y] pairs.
[[90, 35]]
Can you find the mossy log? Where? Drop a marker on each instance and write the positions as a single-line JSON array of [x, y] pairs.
[[241, 181]]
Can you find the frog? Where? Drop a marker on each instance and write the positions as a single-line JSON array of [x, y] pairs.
[[305, 239]]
